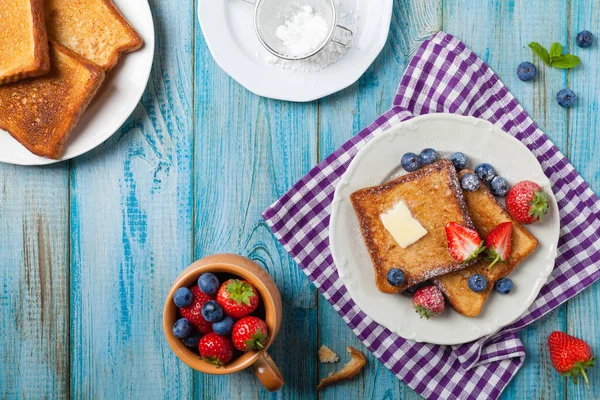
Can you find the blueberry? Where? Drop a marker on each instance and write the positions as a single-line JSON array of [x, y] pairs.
[[477, 283], [395, 277], [183, 297], [192, 341], [224, 326], [411, 290], [459, 160], [470, 182], [584, 39], [212, 311], [428, 156], [410, 162], [499, 186], [182, 328], [566, 98], [526, 71], [485, 172], [209, 284], [504, 286]]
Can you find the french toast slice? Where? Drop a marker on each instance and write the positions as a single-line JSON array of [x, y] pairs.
[[95, 29], [434, 198], [23, 40], [41, 112], [486, 214]]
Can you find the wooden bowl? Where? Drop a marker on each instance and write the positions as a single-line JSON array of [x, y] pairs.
[[233, 264]]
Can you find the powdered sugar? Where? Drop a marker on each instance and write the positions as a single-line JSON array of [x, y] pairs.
[[304, 32], [330, 54]]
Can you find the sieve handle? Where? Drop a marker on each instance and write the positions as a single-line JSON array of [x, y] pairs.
[[348, 34]]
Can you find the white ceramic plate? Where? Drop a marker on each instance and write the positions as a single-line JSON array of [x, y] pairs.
[[119, 95], [228, 28], [376, 163]]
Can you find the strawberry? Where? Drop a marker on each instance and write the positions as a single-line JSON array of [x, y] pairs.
[[249, 333], [194, 312], [216, 349], [428, 301], [464, 243], [499, 242], [570, 356], [238, 298], [527, 202]]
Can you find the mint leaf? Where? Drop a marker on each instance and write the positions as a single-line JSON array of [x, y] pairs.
[[566, 61], [555, 51], [555, 58], [541, 52]]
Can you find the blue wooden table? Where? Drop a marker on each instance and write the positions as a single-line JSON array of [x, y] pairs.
[[89, 248]]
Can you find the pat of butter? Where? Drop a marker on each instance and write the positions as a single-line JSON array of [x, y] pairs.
[[402, 226]]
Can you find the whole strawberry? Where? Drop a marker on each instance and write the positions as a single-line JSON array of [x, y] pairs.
[[527, 202], [428, 301], [249, 333], [499, 243], [570, 356], [216, 349], [238, 298], [194, 312]]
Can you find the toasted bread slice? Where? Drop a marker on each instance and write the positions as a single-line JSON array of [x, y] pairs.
[[486, 214], [41, 112], [434, 198], [23, 40], [94, 29]]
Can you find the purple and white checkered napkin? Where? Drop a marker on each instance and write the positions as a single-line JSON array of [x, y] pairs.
[[445, 76]]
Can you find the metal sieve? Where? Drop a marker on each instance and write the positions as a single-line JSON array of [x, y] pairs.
[[270, 14]]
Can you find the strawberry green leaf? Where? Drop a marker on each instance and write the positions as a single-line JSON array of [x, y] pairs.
[[256, 341], [423, 312], [539, 205], [213, 360], [476, 253], [240, 291]]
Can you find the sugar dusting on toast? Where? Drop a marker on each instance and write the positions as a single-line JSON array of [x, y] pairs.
[[486, 213], [434, 197]]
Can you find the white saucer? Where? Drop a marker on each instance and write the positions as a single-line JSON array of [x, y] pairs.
[[119, 95], [228, 28], [375, 163]]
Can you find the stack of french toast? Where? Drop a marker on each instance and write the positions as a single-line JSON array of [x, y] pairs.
[[435, 198], [54, 55]]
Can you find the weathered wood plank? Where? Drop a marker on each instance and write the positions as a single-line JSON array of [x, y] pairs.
[[343, 115], [34, 281], [584, 148], [131, 212], [499, 31], [249, 151]]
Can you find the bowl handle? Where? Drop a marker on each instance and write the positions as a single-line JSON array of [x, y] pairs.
[[268, 373]]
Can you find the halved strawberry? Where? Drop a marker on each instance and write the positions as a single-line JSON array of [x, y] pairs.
[[498, 243], [464, 243]]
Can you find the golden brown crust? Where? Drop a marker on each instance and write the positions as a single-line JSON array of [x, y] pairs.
[[40, 59], [353, 367], [42, 112], [86, 38], [486, 213], [434, 197]]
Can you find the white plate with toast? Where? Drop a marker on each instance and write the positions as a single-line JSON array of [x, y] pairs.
[[378, 162], [118, 96]]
